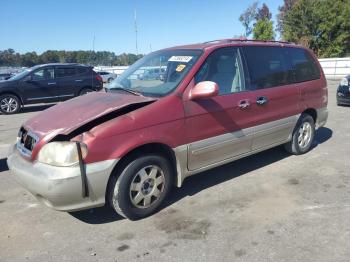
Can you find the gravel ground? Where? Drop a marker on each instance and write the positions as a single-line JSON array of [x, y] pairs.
[[267, 207]]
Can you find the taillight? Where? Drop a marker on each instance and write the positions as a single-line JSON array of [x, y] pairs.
[[98, 78]]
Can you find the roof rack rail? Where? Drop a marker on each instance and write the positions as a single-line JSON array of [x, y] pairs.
[[229, 40]]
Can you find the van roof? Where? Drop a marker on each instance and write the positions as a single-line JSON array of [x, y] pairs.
[[233, 41]]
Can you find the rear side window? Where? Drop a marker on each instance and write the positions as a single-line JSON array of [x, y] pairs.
[[268, 66], [65, 71], [82, 70], [304, 65]]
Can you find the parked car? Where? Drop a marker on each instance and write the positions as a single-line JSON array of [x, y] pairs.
[[5, 76], [107, 77], [47, 83], [152, 74], [220, 101], [343, 92]]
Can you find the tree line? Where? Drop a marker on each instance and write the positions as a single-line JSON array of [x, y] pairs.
[[321, 25], [11, 58]]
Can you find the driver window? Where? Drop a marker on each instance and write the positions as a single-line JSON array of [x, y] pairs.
[[223, 67], [43, 74]]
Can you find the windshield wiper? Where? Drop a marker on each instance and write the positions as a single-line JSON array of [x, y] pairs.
[[126, 90]]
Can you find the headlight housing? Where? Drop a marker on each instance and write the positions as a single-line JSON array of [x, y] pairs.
[[344, 82], [61, 153]]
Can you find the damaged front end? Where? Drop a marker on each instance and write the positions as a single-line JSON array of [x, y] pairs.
[[53, 166], [68, 120]]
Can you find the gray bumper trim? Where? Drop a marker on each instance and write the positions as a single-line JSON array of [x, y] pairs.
[[60, 187], [322, 116]]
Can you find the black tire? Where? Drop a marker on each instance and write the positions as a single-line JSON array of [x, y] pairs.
[[110, 80], [120, 194], [296, 147], [9, 104], [85, 91]]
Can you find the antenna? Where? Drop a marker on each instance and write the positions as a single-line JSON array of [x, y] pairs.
[[135, 23]]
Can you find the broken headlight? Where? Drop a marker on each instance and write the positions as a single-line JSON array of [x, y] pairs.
[[61, 153]]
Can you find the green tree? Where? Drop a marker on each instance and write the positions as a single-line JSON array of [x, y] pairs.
[[263, 27], [29, 59], [283, 10], [10, 58], [322, 25], [263, 30], [247, 18], [334, 37], [263, 13]]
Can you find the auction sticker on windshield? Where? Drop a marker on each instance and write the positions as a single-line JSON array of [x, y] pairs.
[[183, 59], [180, 67]]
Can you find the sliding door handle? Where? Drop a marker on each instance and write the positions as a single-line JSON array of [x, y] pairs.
[[261, 100], [243, 104]]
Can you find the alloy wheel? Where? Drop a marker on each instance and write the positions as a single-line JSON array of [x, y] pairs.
[[304, 135], [8, 105], [147, 186]]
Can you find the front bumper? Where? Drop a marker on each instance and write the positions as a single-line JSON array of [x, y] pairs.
[[343, 100], [61, 187], [343, 95]]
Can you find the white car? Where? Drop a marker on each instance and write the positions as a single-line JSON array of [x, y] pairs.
[[107, 77]]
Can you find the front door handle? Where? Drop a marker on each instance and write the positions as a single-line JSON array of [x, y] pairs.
[[261, 100], [243, 104], [51, 83]]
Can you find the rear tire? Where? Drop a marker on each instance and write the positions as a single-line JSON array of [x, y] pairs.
[[85, 91], [141, 186], [110, 80], [303, 136], [9, 104]]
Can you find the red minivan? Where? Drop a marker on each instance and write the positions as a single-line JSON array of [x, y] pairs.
[[216, 102]]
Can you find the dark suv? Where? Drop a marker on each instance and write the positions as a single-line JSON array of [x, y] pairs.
[[47, 83], [5, 76]]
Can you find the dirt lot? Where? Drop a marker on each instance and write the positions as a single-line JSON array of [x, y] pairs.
[[268, 207]]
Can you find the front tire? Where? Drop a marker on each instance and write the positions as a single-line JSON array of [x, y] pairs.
[[141, 186], [9, 104], [303, 136]]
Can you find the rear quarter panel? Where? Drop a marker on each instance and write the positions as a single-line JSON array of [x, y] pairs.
[[314, 94]]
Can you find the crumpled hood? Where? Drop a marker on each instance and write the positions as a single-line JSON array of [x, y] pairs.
[[66, 117]]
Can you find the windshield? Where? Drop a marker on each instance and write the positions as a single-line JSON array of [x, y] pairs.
[[157, 74], [24, 73], [21, 74]]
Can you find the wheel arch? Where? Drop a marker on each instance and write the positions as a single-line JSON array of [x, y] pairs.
[[14, 94], [85, 87], [311, 112], [149, 148]]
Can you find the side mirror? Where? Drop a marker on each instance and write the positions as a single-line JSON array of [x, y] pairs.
[[205, 89]]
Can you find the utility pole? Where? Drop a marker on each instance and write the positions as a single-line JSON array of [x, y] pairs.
[[135, 23]]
